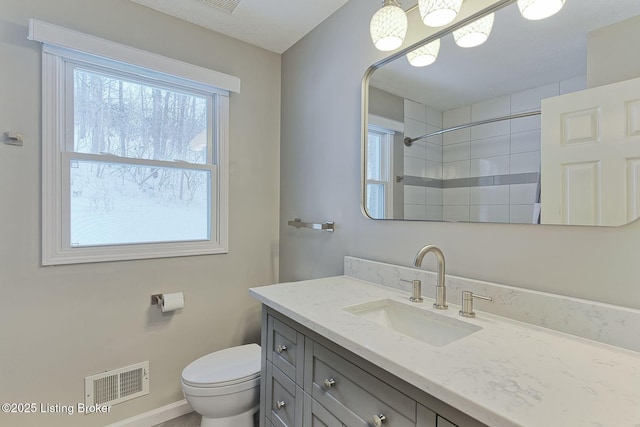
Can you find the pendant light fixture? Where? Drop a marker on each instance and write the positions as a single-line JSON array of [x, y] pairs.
[[436, 13], [424, 55], [389, 26], [539, 9], [476, 33]]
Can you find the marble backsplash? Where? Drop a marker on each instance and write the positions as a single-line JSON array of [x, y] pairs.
[[600, 322]]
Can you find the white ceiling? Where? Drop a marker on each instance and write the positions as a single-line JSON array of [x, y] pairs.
[[519, 55], [275, 25]]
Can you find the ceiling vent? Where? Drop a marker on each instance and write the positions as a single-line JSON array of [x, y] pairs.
[[224, 5]]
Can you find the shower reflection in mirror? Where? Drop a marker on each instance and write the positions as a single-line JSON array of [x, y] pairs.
[[547, 160]]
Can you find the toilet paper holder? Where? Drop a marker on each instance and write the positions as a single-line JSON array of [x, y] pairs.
[[168, 302]]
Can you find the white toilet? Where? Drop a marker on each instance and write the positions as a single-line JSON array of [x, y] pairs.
[[224, 386]]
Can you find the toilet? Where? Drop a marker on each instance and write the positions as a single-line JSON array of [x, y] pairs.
[[224, 386]]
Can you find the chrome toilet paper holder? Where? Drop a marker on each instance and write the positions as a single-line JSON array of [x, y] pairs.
[[168, 302]]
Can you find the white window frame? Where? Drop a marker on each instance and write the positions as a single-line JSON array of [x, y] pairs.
[[61, 47], [386, 166]]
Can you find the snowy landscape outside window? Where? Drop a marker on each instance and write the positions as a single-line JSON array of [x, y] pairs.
[[140, 168], [134, 159]]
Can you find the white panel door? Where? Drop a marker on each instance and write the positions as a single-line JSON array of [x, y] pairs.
[[590, 156]]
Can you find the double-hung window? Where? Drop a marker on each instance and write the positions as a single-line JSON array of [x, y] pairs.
[[134, 152], [379, 187]]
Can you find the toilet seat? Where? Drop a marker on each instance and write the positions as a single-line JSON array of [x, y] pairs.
[[235, 368], [220, 391]]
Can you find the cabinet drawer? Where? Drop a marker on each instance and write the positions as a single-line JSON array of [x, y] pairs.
[[315, 415], [285, 348], [353, 395], [284, 399]]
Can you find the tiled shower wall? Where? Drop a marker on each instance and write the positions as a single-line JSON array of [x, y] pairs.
[[422, 159], [506, 148]]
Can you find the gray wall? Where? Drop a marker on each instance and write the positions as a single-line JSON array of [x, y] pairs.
[[60, 324], [385, 104], [608, 60], [320, 180]]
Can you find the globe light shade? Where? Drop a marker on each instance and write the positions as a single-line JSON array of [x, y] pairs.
[[424, 55], [437, 13], [539, 9], [475, 33], [389, 26]]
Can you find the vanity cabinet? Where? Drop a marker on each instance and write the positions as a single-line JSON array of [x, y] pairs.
[[309, 381], [285, 348], [356, 397], [315, 415], [441, 422], [426, 417], [284, 398]]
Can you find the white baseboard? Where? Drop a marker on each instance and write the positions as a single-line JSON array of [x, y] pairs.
[[156, 416]]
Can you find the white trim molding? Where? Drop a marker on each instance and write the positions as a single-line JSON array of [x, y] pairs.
[[156, 416], [386, 123], [54, 35]]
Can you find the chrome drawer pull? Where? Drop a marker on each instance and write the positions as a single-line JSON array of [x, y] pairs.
[[379, 419], [329, 382], [281, 348], [280, 404]]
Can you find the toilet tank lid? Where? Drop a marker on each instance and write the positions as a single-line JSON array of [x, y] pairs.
[[224, 366]]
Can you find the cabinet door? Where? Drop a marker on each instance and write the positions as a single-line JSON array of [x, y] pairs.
[[426, 417], [315, 415], [283, 399], [285, 348], [444, 423]]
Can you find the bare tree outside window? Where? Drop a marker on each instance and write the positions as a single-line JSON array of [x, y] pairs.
[[115, 200]]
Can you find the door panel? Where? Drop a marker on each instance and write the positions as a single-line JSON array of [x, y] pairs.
[[590, 151]]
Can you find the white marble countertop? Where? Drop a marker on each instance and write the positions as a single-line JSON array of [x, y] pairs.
[[507, 374]]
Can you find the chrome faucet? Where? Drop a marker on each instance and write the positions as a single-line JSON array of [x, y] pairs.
[[417, 290], [441, 290]]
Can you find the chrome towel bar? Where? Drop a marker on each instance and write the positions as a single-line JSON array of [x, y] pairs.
[[327, 226]]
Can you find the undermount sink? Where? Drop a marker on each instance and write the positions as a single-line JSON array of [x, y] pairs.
[[424, 325]]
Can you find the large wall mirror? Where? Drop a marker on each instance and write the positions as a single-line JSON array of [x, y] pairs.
[[539, 124]]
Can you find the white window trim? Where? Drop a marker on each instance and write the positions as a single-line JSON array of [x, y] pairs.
[[386, 123], [53, 139], [387, 166], [53, 35]]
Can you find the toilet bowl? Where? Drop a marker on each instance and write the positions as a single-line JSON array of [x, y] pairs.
[[224, 386]]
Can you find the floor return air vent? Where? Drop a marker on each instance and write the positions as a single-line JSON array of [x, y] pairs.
[[118, 385]]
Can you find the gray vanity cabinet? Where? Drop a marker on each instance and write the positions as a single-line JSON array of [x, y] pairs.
[[284, 399], [444, 423], [427, 418], [285, 348], [315, 415], [309, 381], [356, 397]]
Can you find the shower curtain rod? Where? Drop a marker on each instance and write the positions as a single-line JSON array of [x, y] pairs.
[[408, 141]]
